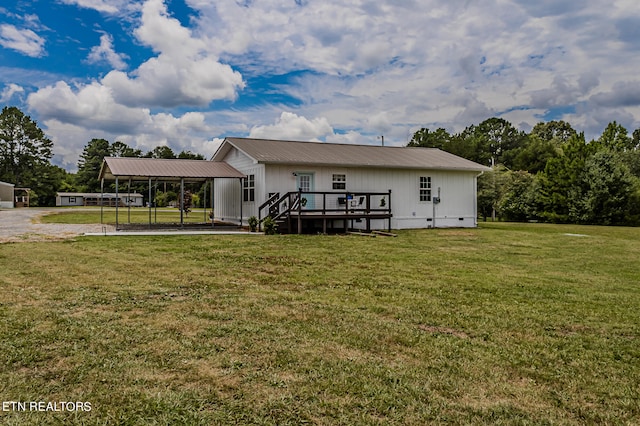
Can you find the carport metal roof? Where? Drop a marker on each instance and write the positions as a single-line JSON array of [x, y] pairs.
[[170, 170]]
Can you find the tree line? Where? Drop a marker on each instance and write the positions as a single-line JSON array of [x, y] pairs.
[[91, 159], [26, 153], [550, 174]]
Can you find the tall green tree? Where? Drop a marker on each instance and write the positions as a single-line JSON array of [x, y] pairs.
[[188, 155], [635, 139], [518, 201], [490, 189], [121, 149], [615, 138], [500, 139], [426, 138], [90, 163], [533, 156], [161, 152], [560, 176], [25, 154], [556, 131], [24, 148], [605, 191]]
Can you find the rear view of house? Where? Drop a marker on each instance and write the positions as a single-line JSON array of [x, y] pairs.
[[314, 185]]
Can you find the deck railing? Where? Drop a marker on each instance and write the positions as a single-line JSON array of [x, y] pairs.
[[325, 203]]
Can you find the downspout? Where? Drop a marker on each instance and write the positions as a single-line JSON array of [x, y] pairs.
[[149, 202], [213, 181], [102, 201], [475, 198]]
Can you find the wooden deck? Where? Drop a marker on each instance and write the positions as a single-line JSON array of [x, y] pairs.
[[312, 212]]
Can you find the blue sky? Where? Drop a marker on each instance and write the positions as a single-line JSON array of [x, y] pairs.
[[187, 73]]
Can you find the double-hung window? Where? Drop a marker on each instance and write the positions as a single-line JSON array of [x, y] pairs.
[[249, 188], [425, 188], [339, 182]]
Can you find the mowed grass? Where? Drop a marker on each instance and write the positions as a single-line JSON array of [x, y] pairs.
[[139, 215], [505, 324]]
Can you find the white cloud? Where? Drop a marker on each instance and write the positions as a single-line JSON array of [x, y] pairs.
[[105, 6], [169, 82], [364, 68], [184, 72], [293, 127], [105, 53], [8, 92], [24, 41]]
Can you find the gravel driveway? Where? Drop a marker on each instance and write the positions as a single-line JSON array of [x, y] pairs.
[[22, 225]]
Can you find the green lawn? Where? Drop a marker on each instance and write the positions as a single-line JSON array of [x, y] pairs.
[[135, 215], [505, 324]]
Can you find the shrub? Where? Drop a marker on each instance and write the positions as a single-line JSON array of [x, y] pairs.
[[270, 226]]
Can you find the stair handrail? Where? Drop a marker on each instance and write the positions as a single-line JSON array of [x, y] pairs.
[[274, 202]]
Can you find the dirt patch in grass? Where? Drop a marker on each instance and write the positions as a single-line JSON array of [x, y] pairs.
[[444, 330]]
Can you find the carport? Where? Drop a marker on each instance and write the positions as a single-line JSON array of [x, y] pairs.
[[128, 169]]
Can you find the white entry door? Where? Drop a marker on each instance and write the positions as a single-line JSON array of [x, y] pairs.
[[305, 184]]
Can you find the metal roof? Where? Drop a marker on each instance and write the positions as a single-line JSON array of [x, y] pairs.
[[329, 154], [165, 169]]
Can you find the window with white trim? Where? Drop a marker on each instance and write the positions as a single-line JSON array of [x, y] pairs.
[[339, 181], [249, 188], [425, 188]]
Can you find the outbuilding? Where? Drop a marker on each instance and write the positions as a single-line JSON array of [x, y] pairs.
[[7, 195], [66, 199]]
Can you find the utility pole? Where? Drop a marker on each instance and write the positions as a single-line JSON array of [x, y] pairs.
[[381, 137]]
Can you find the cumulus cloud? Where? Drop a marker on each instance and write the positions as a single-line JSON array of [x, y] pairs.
[[92, 106], [105, 6], [72, 116], [623, 94], [24, 41], [293, 127], [184, 72], [105, 53], [365, 68], [8, 92]]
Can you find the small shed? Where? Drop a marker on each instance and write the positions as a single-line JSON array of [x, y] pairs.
[[6, 195]]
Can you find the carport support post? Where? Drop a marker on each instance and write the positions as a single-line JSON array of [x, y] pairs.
[[117, 188], [181, 204], [102, 201], [149, 202], [212, 214], [129, 202], [204, 202]]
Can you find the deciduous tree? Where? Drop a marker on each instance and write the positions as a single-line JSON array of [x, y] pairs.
[[25, 154]]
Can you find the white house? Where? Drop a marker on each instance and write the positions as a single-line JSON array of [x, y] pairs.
[[350, 186], [6, 195], [66, 199]]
